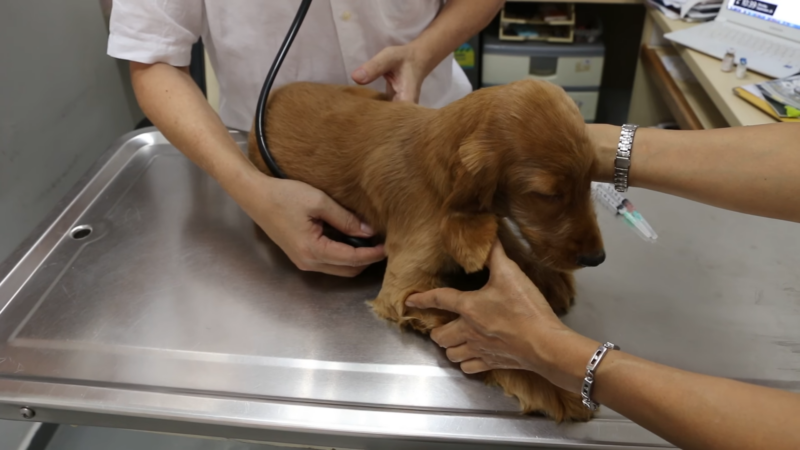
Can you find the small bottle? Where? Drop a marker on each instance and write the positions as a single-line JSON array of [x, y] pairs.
[[727, 61], [741, 69]]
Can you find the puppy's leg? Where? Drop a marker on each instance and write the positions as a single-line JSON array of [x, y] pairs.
[[536, 394], [413, 267], [557, 287], [468, 238]]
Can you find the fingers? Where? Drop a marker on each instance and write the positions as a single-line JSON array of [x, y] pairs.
[[460, 353], [403, 81], [497, 256], [331, 253], [298, 231], [390, 92], [380, 64], [404, 95], [474, 366], [451, 335], [339, 271], [327, 251], [308, 261], [404, 89], [340, 218], [444, 298], [502, 269]]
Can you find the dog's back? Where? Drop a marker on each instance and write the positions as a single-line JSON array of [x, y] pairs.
[[348, 142]]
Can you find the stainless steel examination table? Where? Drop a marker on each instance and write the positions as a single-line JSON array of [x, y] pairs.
[[147, 301]]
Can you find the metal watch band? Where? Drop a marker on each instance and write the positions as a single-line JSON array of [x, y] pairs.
[[622, 163], [588, 381]]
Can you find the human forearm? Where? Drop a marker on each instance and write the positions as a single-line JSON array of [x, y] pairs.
[[687, 409], [458, 21], [508, 324], [172, 101], [290, 212], [755, 170]]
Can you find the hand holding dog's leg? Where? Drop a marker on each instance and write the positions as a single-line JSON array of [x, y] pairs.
[[414, 265], [509, 325], [489, 334]]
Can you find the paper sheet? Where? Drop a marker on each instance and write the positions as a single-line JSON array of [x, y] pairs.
[[689, 4], [670, 14], [694, 9], [753, 89]]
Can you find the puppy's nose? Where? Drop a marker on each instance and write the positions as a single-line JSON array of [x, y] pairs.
[[592, 259]]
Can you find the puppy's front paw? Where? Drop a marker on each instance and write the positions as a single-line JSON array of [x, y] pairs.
[[423, 320]]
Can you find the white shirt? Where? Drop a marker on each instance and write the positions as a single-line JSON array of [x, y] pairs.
[[243, 36]]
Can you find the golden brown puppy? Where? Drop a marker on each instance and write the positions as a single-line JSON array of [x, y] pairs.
[[437, 182]]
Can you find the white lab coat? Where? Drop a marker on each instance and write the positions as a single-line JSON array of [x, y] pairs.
[[243, 36]]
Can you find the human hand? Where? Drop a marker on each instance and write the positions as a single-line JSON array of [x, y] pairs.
[[403, 67], [292, 214], [507, 324]]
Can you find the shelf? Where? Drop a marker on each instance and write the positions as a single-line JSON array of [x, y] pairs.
[[538, 22], [565, 40], [557, 31], [506, 18]]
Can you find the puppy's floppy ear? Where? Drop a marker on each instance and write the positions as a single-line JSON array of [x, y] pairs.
[[480, 160], [469, 226]]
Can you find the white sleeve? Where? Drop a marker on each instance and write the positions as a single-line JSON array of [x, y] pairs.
[[151, 31]]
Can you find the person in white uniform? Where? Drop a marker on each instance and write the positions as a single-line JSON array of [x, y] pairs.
[[404, 47]]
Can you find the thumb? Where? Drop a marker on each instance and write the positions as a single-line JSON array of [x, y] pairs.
[[342, 219], [380, 64], [443, 298], [497, 256], [408, 91], [501, 267]]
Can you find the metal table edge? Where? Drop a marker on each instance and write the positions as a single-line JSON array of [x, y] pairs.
[[261, 419]]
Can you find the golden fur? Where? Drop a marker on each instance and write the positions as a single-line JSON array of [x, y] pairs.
[[437, 182]]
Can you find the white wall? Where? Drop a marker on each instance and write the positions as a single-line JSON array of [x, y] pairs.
[[62, 102]]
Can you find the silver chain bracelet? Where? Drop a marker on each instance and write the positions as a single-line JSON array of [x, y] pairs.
[[622, 163], [586, 390]]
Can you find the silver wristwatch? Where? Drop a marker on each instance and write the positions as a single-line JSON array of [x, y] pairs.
[[588, 380], [622, 163]]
